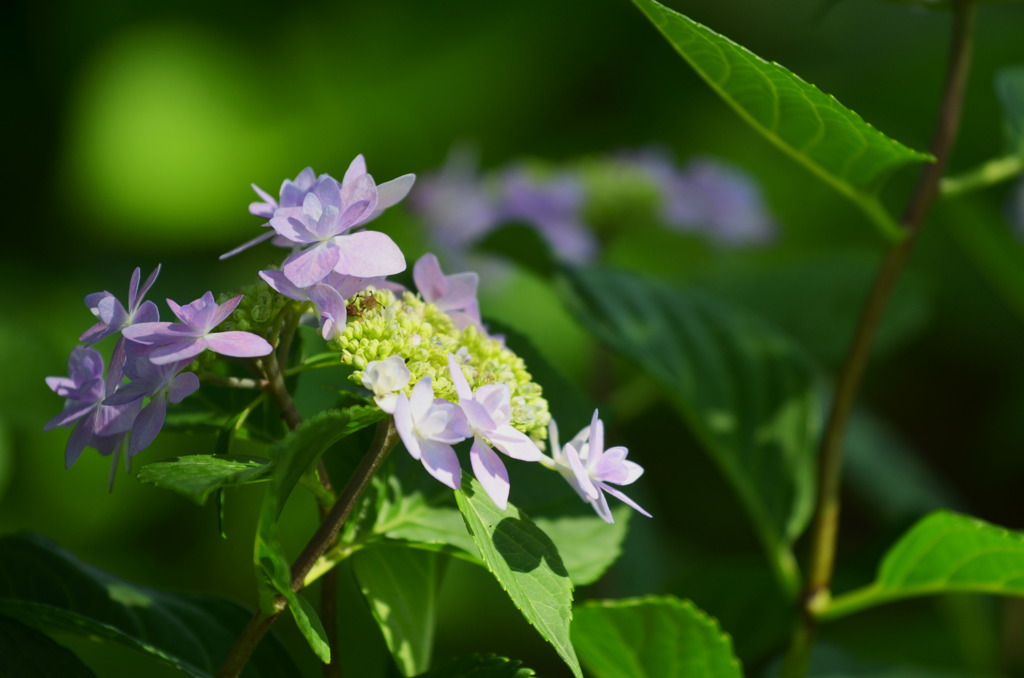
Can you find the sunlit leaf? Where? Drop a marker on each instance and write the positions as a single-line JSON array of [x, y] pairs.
[[401, 585], [943, 553], [831, 140], [745, 390], [50, 589], [526, 563], [198, 476], [652, 638]]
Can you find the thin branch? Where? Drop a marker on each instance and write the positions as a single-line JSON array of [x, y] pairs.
[[826, 521]]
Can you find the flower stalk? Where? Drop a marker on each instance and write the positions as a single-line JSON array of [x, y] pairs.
[[816, 595]]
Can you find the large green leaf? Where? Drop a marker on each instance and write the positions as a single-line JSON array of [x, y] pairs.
[[943, 553], [480, 666], [746, 391], [401, 585], [48, 588], [652, 638], [294, 457], [27, 653], [815, 129], [525, 562], [198, 476]]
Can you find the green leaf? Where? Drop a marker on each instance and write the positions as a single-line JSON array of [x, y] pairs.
[[745, 390], [589, 544], [525, 562], [197, 476], [294, 456], [652, 638], [812, 127], [27, 653], [480, 666], [401, 585], [943, 553], [45, 586]]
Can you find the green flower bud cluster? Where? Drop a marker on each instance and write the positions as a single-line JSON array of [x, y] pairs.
[[257, 310], [381, 325]]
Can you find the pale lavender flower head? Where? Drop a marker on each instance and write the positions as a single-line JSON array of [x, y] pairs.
[[97, 425], [292, 194], [161, 384], [385, 378], [591, 470], [429, 427], [720, 201], [174, 342], [320, 228], [454, 294], [488, 412], [553, 206]]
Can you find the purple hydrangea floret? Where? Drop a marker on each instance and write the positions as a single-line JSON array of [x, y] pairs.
[[97, 425], [328, 296], [429, 427], [454, 294], [161, 384], [174, 342], [591, 470], [488, 412]]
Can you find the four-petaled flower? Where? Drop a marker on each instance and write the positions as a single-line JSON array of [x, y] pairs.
[[386, 378], [429, 427], [589, 468], [488, 413], [174, 342]]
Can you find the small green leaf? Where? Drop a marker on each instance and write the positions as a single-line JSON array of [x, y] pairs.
[[27, 653], [831, 140], [652, 638], [48, 588], [746, 391], [401, 585], [480, 666], [525, 562], [197, 476], [294, 456], [943, 553]]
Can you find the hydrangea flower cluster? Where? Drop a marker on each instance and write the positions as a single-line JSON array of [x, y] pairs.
[[425, 356], [568, 205], [107, 412]]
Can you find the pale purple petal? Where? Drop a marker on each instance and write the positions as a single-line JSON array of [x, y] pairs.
[[354, 215], [356, 169], [404, 426], [367, 254], [281, 284], [477, 416], [614, 468], [290, 224], [80, 436], [182, 387], [184, 349], [600, 504], [441, 462], [310, 266], [515, 443], [135, 390], [458, 378], [158, 333], [490, 472], [221, 313], [70, 414], [331, 307], [246, 245], [429, 279], [582, 477], [624, 499], [147, 425], [238, 344], [391, 192], [422, 398]]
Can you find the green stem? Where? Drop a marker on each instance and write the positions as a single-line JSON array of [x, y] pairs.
[[322, 539], [826, 517], [231, 382], [992, 172]]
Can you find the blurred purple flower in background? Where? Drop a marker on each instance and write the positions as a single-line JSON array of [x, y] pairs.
[[454, 294], [553, 205]]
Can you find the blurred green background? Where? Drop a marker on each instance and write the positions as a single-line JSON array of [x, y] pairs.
[[135, 130]]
